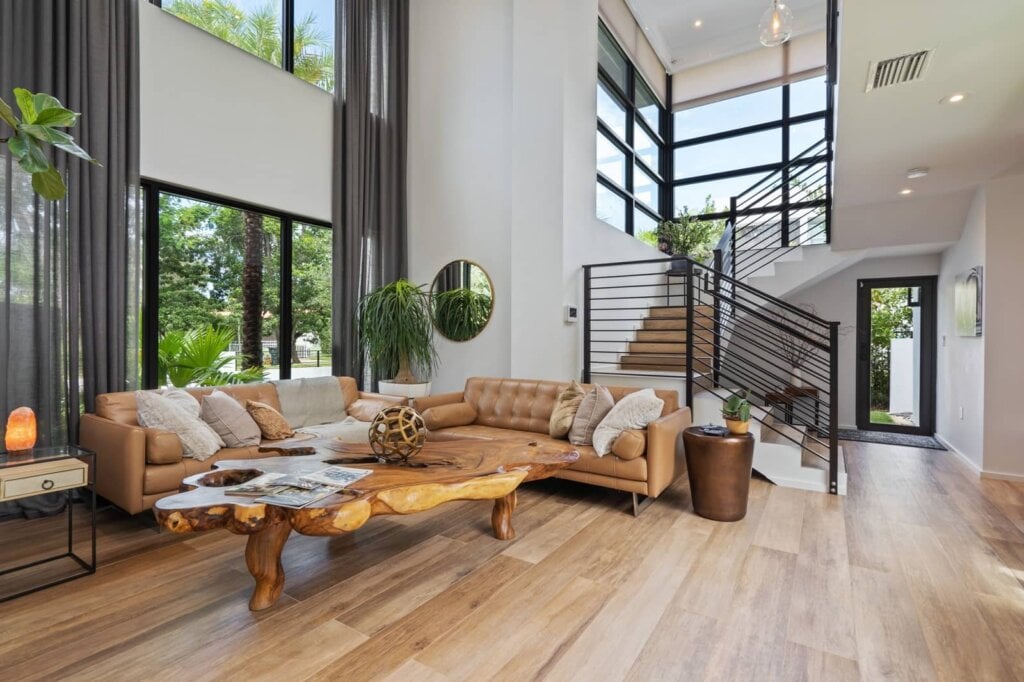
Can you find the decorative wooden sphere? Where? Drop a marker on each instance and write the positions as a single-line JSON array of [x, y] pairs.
[[397, 433]]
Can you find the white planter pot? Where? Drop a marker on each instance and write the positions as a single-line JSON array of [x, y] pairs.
[[797, 377], [404, 390]]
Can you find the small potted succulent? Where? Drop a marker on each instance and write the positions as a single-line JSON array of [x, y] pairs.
[[736, 412]]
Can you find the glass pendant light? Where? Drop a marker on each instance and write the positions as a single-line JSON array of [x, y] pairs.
[[776, 24]]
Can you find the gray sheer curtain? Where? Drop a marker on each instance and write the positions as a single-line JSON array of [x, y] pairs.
[[69, 278], [372, 48]]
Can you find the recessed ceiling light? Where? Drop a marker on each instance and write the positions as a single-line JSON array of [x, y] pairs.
[[906, 190], [919, 172], [697, 23], [955, 98]]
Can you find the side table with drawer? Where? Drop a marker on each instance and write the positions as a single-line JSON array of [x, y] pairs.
[[46, 470]]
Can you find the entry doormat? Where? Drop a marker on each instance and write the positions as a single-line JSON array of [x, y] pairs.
[[887, 438]]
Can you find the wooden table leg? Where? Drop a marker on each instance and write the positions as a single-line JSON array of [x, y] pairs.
[[263, 557], [501, 517]]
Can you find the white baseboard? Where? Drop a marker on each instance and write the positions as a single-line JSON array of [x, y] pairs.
[[961, 456], [1002, 476]]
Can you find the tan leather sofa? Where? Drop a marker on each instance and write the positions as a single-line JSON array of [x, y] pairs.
[[137, 466], [520, 408]]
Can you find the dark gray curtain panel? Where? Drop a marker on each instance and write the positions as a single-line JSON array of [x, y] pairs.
[[69, 278], [372, 44]]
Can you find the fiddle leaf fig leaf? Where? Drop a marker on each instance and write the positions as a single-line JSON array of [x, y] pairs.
[[58, 139], [57, 117], [7, 114], [26, 103], [41, 101], [33, 158], [49, 184]]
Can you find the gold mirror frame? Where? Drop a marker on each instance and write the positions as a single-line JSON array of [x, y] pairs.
[[435, 296]]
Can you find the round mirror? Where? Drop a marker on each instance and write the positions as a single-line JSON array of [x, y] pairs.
[[463, 298]]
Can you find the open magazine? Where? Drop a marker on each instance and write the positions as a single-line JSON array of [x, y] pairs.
[[286, 490]]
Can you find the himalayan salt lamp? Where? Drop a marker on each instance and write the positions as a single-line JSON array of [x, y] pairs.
[[21, 430]]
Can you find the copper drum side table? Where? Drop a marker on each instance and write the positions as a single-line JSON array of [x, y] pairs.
[[719, 471]]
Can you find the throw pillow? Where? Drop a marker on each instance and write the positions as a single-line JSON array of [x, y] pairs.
[[198, 440], [634, 411], [365, 409], [272, 423], [594, 406], [230, 420], [566, 405], [630, 444], [183, 399], [447, 416]]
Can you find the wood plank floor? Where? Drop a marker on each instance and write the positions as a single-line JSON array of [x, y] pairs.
[[917, 574]]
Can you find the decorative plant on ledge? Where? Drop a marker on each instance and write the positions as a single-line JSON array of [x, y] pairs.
[[199, 357], [397, 333], [41, 117], [736, 412]]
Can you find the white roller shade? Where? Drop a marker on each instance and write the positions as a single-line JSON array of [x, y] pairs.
[[801, 57], [619, 20]]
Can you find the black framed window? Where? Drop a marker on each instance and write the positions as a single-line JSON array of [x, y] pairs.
[[632, 129], [297, 35], [723, 148], [261, 276]]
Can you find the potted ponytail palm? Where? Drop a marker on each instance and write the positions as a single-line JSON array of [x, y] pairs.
[[397, 336]]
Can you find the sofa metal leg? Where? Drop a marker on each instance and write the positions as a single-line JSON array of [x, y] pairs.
[[640, 504]]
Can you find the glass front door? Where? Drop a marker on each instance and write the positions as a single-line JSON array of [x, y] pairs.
[[896, 355]]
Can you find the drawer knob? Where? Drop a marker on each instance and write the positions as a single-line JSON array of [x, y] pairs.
[[47, 484]]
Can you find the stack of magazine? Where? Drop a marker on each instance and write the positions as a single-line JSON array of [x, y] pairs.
[[284, 490]]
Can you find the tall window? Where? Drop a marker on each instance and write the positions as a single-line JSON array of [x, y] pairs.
[[723, 148], [299, 39], [631, 132], [262, 278]]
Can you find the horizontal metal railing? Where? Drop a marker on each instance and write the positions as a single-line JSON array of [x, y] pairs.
[[675, 317]]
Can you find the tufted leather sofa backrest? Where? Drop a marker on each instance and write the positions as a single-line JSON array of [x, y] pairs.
[[526, 405]]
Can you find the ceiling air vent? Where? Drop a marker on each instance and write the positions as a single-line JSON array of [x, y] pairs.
[[903, 69]]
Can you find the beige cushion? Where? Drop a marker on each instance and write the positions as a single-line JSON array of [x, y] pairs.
[[272, 423], [566, 405], [183, 399], [230, 420], [365, 409], [155, 411], [630, 444], [163, 447], [634, 411], [447, 416], [595, 405]]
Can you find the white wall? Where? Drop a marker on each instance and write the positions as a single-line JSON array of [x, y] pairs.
[[501, 171], [835, 299], [217, 119], [1004, 326], [460, 106], [960, 362]]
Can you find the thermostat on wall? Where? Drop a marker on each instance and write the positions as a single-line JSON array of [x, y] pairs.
[[572, 313]]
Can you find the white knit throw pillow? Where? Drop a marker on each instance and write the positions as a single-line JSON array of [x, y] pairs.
[[198, 440], [634, 411]]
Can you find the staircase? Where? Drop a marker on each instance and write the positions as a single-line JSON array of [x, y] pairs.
[[660, 344]]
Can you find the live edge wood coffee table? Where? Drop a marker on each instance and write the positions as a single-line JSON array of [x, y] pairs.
[[444, 471]]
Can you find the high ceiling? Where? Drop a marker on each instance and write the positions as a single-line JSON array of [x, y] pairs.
[[728, 27], [881, 134]]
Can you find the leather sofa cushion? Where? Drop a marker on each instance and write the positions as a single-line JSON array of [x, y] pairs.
[[630, 444], [366, 409], [118, 407], [163, 447], [445, 416], [163, 478], [519, 404]]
